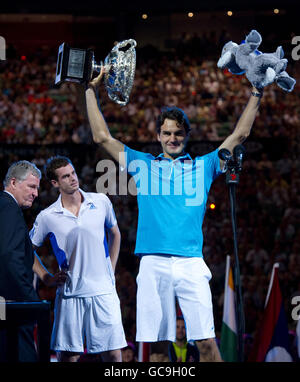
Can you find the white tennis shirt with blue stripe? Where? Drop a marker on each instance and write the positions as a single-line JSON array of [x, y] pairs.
[[171, 197], [83, 241]]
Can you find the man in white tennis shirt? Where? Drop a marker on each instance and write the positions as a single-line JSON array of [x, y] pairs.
[[87, 308]]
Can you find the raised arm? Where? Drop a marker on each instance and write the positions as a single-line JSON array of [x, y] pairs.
[[100, 131], [245, 123]]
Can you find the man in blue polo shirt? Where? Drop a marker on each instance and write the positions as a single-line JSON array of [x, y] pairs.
[[166, 190], [172, 194]]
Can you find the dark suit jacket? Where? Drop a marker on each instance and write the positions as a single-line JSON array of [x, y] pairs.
[[16, 253]]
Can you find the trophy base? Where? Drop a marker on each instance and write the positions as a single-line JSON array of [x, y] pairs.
[[73, 65]]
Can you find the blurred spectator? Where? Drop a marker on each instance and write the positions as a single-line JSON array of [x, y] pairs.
[[181, 350]]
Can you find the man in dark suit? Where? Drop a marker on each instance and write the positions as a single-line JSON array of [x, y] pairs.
[[21, 186], [18, 261]]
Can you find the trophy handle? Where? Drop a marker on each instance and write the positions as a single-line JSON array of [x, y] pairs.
[[96, 67]]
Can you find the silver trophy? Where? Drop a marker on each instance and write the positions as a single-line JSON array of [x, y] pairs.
[[79, 65]]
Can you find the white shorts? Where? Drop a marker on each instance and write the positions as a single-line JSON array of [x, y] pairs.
[[160, 280], [91, 321]]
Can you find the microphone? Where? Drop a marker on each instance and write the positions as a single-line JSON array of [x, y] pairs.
[[224, 155], [238, 154]]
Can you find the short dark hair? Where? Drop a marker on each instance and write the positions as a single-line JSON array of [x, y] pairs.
[[53, 164], [176, 114]]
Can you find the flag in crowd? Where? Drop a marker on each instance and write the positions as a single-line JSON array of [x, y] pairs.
[[229, 338], [272, 342]]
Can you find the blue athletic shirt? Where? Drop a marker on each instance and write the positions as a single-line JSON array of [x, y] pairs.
[[171, 197]]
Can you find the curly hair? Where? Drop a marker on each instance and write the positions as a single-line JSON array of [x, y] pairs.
[[175, 114]]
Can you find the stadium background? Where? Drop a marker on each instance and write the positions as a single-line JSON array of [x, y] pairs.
[[176, 64]]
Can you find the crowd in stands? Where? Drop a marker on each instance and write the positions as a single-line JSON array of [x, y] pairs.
[[35, 112]]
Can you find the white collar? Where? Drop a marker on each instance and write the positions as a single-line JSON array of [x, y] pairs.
[[58, 207]]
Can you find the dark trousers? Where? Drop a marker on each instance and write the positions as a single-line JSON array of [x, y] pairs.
[[27, 350]]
